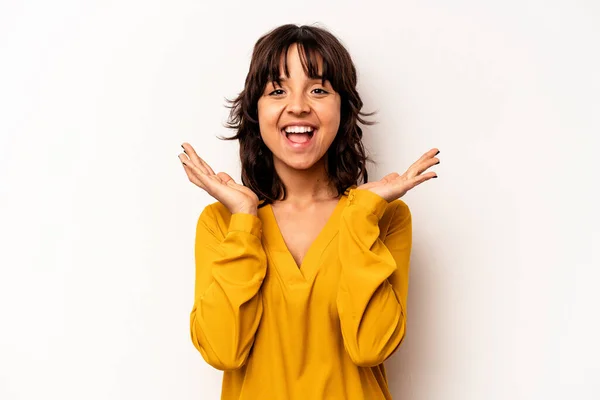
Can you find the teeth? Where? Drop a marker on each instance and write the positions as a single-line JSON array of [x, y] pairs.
[[298, 129]]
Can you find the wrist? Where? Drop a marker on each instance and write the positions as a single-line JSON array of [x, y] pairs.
[[252, 211]]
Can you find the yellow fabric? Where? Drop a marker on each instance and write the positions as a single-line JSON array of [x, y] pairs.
[[321, 331]]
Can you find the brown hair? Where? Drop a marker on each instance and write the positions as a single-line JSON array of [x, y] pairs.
[[346, 157]]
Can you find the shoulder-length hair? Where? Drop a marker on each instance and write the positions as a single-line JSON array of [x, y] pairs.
[[346, 157]]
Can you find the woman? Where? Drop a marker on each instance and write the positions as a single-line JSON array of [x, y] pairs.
[[301, 274]]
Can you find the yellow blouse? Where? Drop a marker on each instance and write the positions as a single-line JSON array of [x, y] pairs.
[[321, 331]]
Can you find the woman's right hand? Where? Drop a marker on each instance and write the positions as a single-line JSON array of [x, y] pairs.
[[237, 198]]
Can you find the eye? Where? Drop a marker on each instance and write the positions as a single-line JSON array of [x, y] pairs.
[[276, 90], [323, 91]]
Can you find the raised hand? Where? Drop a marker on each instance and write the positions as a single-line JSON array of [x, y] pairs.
[[393, 186], [237, 198]]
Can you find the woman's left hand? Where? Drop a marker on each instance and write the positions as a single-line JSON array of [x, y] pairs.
[[393, 186]]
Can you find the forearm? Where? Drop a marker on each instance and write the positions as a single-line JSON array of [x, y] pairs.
[[228, 305], [371, 310]]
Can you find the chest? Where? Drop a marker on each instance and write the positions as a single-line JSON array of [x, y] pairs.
[[300, 229]]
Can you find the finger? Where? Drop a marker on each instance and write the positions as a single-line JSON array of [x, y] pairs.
[[189, 150], [186, 151], [197, 168], [425, 165], [432, 153], [197, 175], [225, 178], [428, 155], [210, 183], [229, 181], [187, 163], [417, 180], [192, 171], [426, 161], [194, 178], [243, 189], [185, 160]]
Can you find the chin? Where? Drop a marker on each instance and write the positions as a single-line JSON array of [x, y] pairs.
[[306, 163], [300, 165], [299, 162]]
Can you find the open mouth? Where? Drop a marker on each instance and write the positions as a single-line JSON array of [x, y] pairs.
[[298, 137]]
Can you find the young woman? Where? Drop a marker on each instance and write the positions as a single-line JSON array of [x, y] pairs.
[[301, 273]]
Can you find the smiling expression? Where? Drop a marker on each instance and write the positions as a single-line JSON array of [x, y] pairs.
[[302, 105]]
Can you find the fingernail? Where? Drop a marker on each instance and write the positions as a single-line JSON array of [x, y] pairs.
[[436, 163], [435, 176], [437, 153]]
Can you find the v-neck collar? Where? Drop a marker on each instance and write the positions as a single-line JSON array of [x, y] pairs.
[[285, 263]]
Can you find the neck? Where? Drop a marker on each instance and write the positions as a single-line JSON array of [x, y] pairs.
[[307, 186]]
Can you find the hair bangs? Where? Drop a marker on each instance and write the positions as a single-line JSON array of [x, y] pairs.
[[314, 63]]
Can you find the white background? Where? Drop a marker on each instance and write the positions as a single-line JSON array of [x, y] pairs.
[[97, 217]]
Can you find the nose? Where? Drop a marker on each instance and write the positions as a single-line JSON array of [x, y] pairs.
[[298, 104]]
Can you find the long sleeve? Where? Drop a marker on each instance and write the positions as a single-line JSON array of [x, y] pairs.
[[230, 269], [373, 289]]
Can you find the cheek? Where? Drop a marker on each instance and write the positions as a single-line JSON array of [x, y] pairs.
[[330, 117], [268, 117], [330, 112]]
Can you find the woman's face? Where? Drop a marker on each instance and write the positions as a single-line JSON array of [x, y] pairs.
[[299, 119]]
